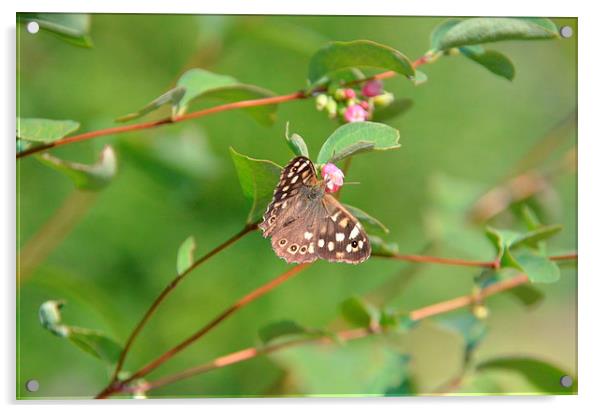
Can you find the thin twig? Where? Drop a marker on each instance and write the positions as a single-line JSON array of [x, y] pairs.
[[342, 336], [118, 385], [194, 115], [247, 229], [439, 260]]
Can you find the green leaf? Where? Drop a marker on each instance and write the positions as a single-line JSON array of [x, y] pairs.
[[356, 137], [186, 255], [281, 329], [492, 29], [371, 224], [171, 97], [88, 177], [439, 32], [257, 178], [70, 27], [419, 78], [405, 386], [541, 374], [44, 130], [296, 143], [396, 108], [471, 329], [359, 53], [362, 367], [93, 342], [502, 240], [359, 312], [96, 344], [380, 247], [538, 269], [527, 295], [201, 84], [495, 62], [532, 238]]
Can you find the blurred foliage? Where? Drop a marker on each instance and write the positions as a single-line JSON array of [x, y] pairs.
[[466, 131]]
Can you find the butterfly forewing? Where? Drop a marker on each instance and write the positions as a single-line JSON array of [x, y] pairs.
[[305, 223]]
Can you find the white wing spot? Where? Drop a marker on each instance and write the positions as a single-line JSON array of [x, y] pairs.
[[321, 243], [285, 188], [343, 222], [361, 244], [330, 246], [308, 235], [311, 248], [348, 248], [294, 179], [284, 205], [302, 167], [296, 163], [335, 216], [355, 231], [290, 174], [340, 236], [283, 195]]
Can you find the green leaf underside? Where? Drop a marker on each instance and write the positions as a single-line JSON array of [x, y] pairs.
[[297, 145], [171, 97], [70, 27], [471, 329], [380, 247], [539, 269], [87, 177], [396, 108], [356, 137], [492, 29], [371, 224], [543, 375], [185, 256], [201, 83], [527, 295], [336, 56], [257, 178], [91, 341], [44, 130], [281, 329], [361, 367], [495, 62], [359, 312]]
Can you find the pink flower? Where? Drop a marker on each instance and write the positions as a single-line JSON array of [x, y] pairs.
[[372, 88], [355, 113], [349, 94], [333, 177]]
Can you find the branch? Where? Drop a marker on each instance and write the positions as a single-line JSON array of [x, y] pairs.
[[117, 386], [342, 336], [194, 115], [247, 229]]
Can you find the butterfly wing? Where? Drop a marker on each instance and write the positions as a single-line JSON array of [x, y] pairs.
[[305, 223], [340, 236], [297, 173]]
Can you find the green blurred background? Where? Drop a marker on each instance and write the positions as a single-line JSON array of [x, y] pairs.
[[465, 134]]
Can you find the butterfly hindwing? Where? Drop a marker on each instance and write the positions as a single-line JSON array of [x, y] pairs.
[[341, 237]]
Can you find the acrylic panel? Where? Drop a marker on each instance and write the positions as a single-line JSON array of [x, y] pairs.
[[272, 206]]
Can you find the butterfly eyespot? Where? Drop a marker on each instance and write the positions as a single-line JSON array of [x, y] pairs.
[[294, 169], [303, 249], [354, 244], [293, 248], [282, 242], [271, 220]]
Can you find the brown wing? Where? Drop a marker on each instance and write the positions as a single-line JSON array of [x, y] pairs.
[[297, 173], [340, 236]]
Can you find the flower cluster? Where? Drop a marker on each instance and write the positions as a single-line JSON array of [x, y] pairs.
[[351, 105]]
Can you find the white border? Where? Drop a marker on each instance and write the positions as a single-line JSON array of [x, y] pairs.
[[590, 151]]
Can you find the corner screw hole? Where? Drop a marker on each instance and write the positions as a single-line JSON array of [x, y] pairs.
[[32, 385], [566, 31], [566, 381]]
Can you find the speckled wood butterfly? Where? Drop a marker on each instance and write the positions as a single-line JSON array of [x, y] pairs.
[[306, 223]]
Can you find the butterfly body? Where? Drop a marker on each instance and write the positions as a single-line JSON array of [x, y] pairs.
[[305, 222]]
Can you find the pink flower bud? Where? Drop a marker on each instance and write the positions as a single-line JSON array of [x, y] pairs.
[[372, 88], [355, 113], [333, 177], [365, 105], [349, 94]]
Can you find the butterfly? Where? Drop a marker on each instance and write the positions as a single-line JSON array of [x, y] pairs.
[[305, 222]]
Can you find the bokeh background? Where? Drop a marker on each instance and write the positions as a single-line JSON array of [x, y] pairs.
[[112, 252]]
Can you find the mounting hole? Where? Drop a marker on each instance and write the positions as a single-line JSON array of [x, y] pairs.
[[566, 31], [32, 385], [566, 381], [33, 27]]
